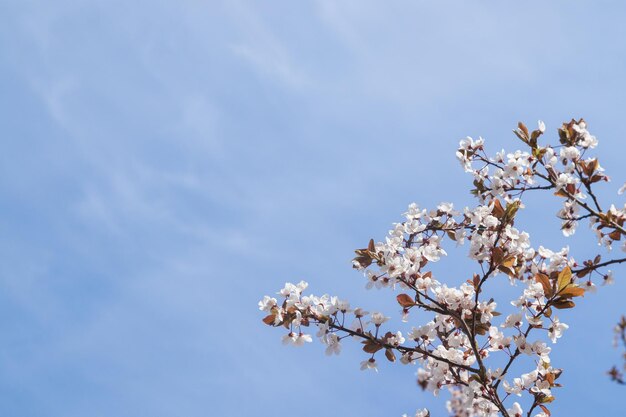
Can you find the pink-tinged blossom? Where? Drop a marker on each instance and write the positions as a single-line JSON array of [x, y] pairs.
[[523, 345], [534, 320], [485, 308], [424, 334], [533, 291], [333, 346], [586, 139], [542, 350], [541, 387], [369, 364], [550, 158], [512, 320], [564, 180], [570, 152], [267, 303], [420, 413], [556, 329], [447, 208], [395, 266], [296, 339], [569, 228], [515, 410], [497, 341], [414, 212], [589, 287], [396, 339], [377, 318], [433, 252], [541, 126]]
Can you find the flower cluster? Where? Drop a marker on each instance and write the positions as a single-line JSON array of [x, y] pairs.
[[466, 348]]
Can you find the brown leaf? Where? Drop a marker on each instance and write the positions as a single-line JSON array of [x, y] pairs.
[[509, 271], [405, 300], [564, 279], [371, 347], [498, 210], [364, 261], [583, 272], [482, 328], [497, 254], [389, 355], [523, 128], [520, 135], [507, 266], [572, 291], [533, 138], [597, 177], [545, 283], [269, 320], [545, 409], [562, 304], [370, 246], [615, 235], [508, 261]]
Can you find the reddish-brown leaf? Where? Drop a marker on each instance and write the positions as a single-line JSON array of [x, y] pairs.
[[371, 347], [583, 272], [498, 210], [615, 235], [548, 312], [509, 271], [389, 355], [562, 304], [545, 283], [523, 128], [497, 254], [405, 300], [572, 291]]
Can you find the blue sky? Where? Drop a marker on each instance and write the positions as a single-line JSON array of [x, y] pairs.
[[166, 164]]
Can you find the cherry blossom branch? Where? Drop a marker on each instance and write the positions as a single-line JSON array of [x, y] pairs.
[[455, 347], [602, 264], [403, 349]]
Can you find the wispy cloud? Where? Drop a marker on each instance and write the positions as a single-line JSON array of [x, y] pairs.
[[262, 49]]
